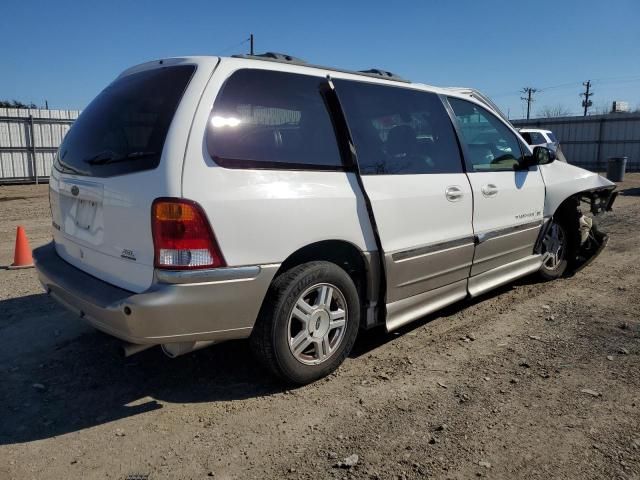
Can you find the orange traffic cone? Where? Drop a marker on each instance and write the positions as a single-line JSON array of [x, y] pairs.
[[22, 256]]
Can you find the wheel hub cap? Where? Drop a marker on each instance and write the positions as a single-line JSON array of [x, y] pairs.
[[317, 324]]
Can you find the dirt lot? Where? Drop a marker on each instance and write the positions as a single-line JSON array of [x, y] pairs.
[[537, 380]]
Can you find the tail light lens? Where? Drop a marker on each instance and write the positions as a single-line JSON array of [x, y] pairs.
[[182, 236]]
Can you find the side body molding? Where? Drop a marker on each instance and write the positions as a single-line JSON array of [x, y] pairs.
[[563, 180]]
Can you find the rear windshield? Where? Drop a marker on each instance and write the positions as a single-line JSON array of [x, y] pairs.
[[124, 128]]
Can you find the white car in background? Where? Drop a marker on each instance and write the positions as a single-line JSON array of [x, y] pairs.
[[537, 137], [203, 199]]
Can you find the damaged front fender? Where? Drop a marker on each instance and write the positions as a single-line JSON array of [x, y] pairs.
[[567, 189], [563, 181]]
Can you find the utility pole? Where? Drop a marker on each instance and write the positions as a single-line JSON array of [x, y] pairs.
[[528, 91], [586, 103], [251, 44]]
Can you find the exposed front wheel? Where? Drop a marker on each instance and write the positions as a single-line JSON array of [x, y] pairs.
[[308, 323], [555, 250]]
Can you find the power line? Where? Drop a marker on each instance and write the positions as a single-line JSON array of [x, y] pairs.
[[609, 82], [562, 85], [597, 81], [232, 47], [615, 79], [528, 91]]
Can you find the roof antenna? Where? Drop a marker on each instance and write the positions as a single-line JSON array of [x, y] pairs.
[[251, 44]]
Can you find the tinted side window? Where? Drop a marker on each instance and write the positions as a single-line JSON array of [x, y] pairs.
[[537, 139], [266, 119], [491, 145], [527, 137], [398, 130]]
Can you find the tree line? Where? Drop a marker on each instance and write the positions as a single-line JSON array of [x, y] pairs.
[[16, 104], [559, 110]]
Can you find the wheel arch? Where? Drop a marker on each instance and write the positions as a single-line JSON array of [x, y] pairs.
[[565, 212], [362, 267], [569, 204], [341, 252], [569, 214]]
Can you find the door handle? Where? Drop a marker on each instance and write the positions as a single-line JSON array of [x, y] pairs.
[[489, 190], [454, 193]]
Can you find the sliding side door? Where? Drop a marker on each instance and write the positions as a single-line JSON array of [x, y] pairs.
[[421, 199]]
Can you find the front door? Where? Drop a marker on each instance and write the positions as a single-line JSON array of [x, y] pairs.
[[421, 199], [508, 201]]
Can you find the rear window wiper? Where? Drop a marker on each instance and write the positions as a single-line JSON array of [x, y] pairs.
[[105, 158]]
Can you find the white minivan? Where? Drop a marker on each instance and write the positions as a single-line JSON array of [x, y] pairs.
[[203, 199]]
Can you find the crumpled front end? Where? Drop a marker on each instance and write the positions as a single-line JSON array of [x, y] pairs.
[[582, 196], [592, 239]]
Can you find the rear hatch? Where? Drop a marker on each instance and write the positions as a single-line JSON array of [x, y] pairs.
[[110, 168]]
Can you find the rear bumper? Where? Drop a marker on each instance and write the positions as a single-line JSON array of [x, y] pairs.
[[222, 306]]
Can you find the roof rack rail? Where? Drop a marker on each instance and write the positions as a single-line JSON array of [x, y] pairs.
[[377, 72], [273, 56], [284, 58]]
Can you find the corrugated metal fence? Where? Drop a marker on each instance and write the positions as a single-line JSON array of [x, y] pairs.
[[589, 141], [29, 139]]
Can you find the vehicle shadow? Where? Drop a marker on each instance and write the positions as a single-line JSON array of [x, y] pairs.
[[59, 384], [631, 192], [55, 383], [377, 337]]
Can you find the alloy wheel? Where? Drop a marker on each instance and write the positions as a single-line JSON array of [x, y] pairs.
[[317, 323], [554, 247]]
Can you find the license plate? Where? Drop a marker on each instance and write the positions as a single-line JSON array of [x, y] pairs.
[[85, 214]]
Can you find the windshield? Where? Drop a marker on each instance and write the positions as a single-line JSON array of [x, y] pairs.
[[124, 128]]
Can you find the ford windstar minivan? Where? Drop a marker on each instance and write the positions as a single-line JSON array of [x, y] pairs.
[[203, 199]]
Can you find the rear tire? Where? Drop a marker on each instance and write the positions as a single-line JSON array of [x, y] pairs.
[[308, 323]]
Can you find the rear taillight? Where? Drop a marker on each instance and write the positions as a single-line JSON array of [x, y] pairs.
[[182, 236]]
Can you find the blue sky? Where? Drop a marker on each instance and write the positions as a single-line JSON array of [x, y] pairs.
[[67, 51]]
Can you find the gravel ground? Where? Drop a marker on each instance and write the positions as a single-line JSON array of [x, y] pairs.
[[536, 380]]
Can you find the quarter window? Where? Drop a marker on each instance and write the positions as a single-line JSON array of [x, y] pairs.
[[490, 144], [398, 130], [267, 119]]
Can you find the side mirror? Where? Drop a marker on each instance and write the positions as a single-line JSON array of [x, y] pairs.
[[540, 156], [543, 155]]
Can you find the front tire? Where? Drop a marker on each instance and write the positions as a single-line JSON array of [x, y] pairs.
[[308, 323], [555, 251]]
